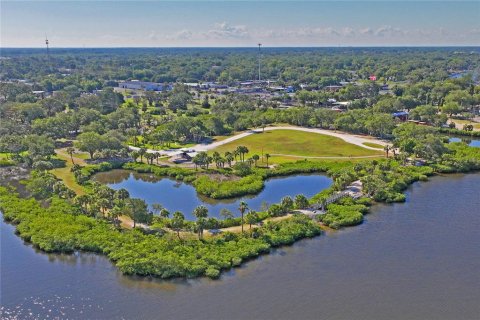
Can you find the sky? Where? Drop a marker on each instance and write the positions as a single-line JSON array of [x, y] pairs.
[[239, 23]]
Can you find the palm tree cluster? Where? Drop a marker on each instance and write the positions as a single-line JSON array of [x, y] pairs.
[[109, 204], [149, 156], [203, 160]]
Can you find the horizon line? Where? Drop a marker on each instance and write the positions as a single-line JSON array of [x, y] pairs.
[[256, 47]]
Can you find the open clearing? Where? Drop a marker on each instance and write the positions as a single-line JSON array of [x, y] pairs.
[[293, 144], [65, 174], [460, 123], [373, 145]]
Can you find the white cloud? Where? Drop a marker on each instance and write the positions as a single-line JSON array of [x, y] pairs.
[[223, 33], [223, 30], [181, 35], [388, 31]]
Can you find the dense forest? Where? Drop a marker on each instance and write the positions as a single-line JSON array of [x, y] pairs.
[[97, 68]]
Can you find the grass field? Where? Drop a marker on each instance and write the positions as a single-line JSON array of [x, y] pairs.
[[373, 145], [460, 123], [66, 175], [289, 145]]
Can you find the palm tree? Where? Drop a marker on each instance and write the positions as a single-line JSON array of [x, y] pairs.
[[242, 208], [71, 151], [157, 208], [164, 213], [135, 155], [216, 158], [255, 158], [229, 157], [252, 217], [197, 161], [387, 149], [250, 161], [201, 213], [82, 201], [242, 150], [178, 221], [149, 157], [226, 214], [141, 153], [115, 212], [267, 156]]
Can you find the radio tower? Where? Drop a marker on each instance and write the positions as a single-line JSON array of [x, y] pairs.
[[48, 50], [259, 45]]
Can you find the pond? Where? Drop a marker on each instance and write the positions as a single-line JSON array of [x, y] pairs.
[[471, 142], [178, 196]]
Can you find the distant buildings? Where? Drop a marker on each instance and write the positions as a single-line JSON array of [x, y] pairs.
[[144, 86]]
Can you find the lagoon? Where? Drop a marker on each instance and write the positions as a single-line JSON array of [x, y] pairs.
[[176, 195], [471, 142]]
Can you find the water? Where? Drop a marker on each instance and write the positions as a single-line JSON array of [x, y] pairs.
[[183, 197], [417, 260], [469, 141]]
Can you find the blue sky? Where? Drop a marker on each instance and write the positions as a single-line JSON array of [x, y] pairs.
[[238, 23]]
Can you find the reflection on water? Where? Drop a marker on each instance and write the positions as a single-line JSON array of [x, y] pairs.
[[471, 142], [175, 195], [414, 260]]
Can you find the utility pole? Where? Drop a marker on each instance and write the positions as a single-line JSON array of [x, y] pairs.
[[48, 50], [259, 45]]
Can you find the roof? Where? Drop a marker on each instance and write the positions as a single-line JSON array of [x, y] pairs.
[[399, 114]]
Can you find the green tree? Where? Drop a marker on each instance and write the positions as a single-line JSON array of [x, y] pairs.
[[251, 218], [287, 203], [71, 151], [201, 213], [178, 221], [242, 208], [301, 202], [255, 158], [137, 210], [267, 156], [226, 214], [89, 142]]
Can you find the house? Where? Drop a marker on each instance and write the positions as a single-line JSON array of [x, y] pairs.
[[145, 86], [333, 88], [402, 115], [39, 94], [181, 157]]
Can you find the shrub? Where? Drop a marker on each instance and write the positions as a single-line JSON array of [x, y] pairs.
[[343, 215]]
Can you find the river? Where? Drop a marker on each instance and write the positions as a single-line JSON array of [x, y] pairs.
[[416, 260]]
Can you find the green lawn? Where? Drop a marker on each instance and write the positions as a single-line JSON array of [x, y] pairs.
[[297, 143], [476, 125], [66, 175], [373, 145]]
